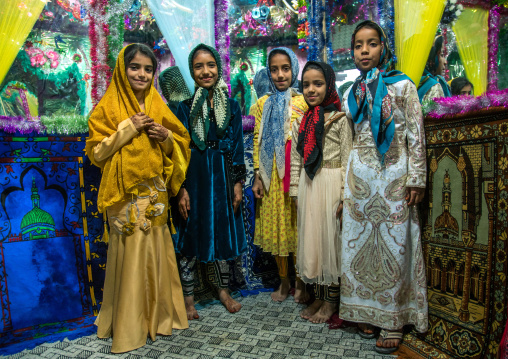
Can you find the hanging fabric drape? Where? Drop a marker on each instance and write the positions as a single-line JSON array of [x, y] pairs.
[[184, 25], [472, 32], [416, 24], [17, 19]]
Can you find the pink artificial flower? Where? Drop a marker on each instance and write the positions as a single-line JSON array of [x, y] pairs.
[[53, 57], [38, 60]]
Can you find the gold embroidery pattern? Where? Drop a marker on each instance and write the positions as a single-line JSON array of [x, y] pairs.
[[359, 188], [396, 191], [374, 265]]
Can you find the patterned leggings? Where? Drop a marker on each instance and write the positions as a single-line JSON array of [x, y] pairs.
[[217, 272], [328, 293]]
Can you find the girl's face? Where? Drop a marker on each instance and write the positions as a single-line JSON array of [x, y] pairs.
[[367, 49], [140, 73], [466, 90], [280, 70], [314, 87], [205, 69], [442, 64]]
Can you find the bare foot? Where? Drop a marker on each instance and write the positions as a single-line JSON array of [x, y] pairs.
[[389, 342], [301, 295], [192, 313], [231, 305], [311, 309], [282, 292], [366, 328], [324, 313]]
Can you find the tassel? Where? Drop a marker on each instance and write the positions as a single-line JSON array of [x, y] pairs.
[[172, 228], [132, 214], [105, 235]]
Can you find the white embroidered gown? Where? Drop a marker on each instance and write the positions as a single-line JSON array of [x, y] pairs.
[[383, 272]]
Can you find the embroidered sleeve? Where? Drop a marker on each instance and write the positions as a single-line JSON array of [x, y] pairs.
[[108, 146], [296, 162], [346, 144], [417, 164], [434, 91], [257, 115]]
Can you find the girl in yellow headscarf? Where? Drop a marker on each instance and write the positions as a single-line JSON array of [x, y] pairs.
[[143, 152]]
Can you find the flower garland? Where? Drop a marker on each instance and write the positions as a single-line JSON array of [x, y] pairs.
[[493, 48], [222, 37], [450, 106]]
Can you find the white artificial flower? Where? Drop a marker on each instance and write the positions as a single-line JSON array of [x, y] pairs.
[[453, 1], [457, 13], [460, 7], [452, 7]]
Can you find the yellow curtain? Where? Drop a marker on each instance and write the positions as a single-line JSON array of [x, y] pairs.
[[472, 32], [17, 18], [416, 24]]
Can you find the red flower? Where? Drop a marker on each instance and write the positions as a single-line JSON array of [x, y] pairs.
[[66, 147], [54, 168], [9, 169], [71, 171], [75, 225]]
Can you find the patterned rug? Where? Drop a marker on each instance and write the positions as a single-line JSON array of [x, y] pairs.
[[262, 329], [465, 223]]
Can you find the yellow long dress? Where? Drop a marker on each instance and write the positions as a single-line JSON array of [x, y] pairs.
[[142, 291], [275, 230]]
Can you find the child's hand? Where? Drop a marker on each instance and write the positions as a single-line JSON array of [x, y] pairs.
[[238, 197], [338, 214], [257, 187], [141, 121], [414, 195], [183, 203]]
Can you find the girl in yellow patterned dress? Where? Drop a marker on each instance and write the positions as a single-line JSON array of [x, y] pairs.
[[275, 230]]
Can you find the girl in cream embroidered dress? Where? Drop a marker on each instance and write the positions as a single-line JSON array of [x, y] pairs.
[[383, 276]]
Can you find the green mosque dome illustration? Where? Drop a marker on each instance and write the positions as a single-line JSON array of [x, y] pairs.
[[37, 223]]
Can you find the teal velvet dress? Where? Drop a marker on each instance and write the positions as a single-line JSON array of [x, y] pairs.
[[213, 231]]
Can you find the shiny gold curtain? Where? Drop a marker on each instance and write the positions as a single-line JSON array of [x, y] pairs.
[[472, 33], [416, 24], [17, 18]]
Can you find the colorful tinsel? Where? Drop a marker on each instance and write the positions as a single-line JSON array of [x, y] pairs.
[[450, 106], [303, 25], [248, 123], [51, 125], [387, 21], [493, 48], [316, 38], [222, 37]]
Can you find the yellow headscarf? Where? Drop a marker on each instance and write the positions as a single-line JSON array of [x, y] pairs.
[[141, 158]]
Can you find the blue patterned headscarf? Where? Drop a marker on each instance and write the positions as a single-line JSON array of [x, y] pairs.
[[369, 95], [262, 82], [276, 111]]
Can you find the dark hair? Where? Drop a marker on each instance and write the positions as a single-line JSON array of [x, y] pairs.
[[435, 51], [277, 52], [458, 84], [132, 50], [310, 66], [201, 49], [367, 24]]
